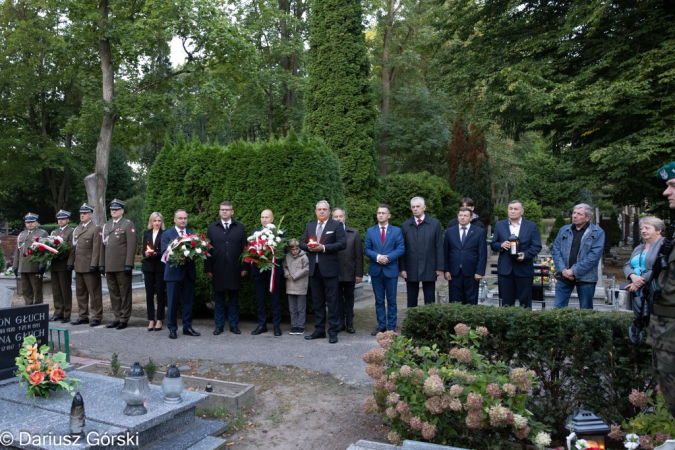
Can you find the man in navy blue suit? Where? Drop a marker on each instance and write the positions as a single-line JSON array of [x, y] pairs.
[[516, 273], [465, 254], [384, 246], [180, 281], [323, 239]]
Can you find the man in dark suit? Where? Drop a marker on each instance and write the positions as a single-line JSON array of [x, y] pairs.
[[228, 239], [323, 239], [384, 246], [465, 252], [262, 283], [180, 280], [351, 272], [516, 273], [423, 259]]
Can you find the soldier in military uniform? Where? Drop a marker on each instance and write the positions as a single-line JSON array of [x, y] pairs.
[[62, 273], [84, 260], [31, 273], [117, 262], [662, 322]]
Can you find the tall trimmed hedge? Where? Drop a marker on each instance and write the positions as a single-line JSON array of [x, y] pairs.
[[288, 176], [396, 190], [339, 104], [582, 357]]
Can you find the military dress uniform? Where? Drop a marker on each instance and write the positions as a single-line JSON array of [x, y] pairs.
[[31, 272], [62, 273], [84, 259], [662, 321], [117, 257]]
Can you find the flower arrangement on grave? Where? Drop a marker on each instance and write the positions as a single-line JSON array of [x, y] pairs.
[[187, 248], [46, 249], [458, 397], [551, 265], [264, 247], [652, 426], [41, 372]]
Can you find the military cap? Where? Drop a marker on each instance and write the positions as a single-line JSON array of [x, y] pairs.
[[86, 208], [30, 217], [116, 204], [62, 214], [665, 173]]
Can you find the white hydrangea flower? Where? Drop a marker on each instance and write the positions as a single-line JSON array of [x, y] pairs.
[[632, 441], [542, 439]]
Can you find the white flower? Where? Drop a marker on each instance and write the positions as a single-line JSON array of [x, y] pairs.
[[632, 441], [278, 239], [270, 226], [542, 440], [186, 252], [250, 238], [281, 232], [203, 243], [198, 250], [581, 444], [257, 234]]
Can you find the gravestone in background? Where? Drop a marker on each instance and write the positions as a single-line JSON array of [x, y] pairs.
[[15, 324]]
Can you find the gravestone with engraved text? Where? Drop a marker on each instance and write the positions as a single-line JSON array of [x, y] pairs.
[[15, 324]]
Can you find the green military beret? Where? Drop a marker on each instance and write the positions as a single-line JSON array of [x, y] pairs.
[[665, 173]]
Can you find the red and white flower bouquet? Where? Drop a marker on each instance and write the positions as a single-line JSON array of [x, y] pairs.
[[187, 248], [264, 248], [46, 249]]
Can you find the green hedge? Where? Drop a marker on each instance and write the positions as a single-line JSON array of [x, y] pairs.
[[583, 357], [288, 176], [396, 190]]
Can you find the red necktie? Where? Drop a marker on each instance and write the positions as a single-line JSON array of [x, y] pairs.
[[419, 221], [383, 235]]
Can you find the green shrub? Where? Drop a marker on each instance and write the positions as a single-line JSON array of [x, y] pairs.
[[501, 212], [533, 213], [48, 227], [583, 357], [288, 176], [2, 260], [397, 190], [133, 210], [559, 223], [460, 398]]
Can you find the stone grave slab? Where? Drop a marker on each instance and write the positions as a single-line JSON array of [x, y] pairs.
[[15, 324]]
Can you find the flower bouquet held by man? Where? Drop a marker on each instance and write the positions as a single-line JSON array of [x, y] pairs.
[[44, 250], [264, 247], [41, 372], [187, 248]]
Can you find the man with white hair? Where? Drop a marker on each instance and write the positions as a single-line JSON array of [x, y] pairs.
[[423, 258], [576, 253]]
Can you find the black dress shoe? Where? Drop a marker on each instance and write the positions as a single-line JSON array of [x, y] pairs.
[[115, 324], [235, 330], [95, 323], [80, 321], [65, 320], [342, 328], [332, 339], [378, 330], [277, 331], [350, 329], [315, 335], [172, 334], [259, 330], [191, 332], [122, 326], [217, 331], [54, 318]]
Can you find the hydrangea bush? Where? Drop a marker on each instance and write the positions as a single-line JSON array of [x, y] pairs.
[[456, 398]]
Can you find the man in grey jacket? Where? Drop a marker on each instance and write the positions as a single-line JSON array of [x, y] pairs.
[[576, 253], [351, 272], [423, 258]]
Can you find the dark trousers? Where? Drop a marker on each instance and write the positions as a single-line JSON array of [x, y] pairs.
[[346, 302], [512, 287], [262, 287], [325, 296], [428, 289], [384, 287], [154, 284], [63, 293], [464, 289], [177, 290], [232, 308]]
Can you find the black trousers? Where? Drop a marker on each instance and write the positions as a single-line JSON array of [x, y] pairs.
[[512, 287], [428, 289], [464, 289], [325, 297], [154, 284], [346, 302]]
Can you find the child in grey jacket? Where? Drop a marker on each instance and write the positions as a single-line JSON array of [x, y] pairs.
[[296, 270]]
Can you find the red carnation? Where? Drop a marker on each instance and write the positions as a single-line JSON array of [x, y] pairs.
[[41, 248], [247, 259], [202, 236], [183, 259], [30, 252], [194, 244], [37, 238], [208, 245]]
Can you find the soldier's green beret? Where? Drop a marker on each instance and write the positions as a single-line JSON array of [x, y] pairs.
[[665, 173]]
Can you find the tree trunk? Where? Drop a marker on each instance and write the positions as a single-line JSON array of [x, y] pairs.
[[96, 183]]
